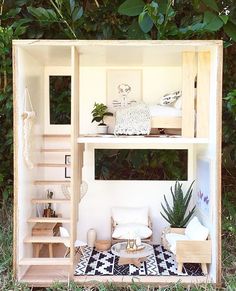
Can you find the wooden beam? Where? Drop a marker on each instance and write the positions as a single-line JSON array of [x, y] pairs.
[[42, 201], [203, 94], [75, 163], [44, 261], [47, 239], [188, 92], [51, 182], [48, 219]]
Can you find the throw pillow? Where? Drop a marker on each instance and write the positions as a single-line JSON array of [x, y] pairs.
[[123, 215], [195, 230], [131, 231], [170, 98]]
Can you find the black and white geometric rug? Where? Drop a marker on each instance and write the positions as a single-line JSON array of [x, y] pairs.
[[161, 262]]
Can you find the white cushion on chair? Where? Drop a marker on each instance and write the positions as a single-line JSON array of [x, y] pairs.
[[122, 215], [172, 238], [131, 231], [195, 230]]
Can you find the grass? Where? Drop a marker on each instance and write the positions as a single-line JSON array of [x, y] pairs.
[[7, 281]]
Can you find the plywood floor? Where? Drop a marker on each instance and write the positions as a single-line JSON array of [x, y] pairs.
[[44, 276]]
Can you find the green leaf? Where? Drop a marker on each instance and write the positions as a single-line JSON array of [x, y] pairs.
[[160, 18], [145, 22], [224, 18], [135, 32], [211, 4], [230, 30], [212, 21], [131, 7], [77, 13], [72, 6]]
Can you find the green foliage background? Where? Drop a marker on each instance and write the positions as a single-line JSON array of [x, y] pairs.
[[119, 19]]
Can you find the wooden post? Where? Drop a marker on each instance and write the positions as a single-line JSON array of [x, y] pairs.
[[75, 163], [203, 94], [188, 78]]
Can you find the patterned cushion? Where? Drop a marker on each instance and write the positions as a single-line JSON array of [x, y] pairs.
[[133, 120], [170, 98]]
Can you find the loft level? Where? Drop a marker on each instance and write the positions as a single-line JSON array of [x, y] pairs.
[[51, 165], [51, 182], [42, 201], [44, 261], [49, 220], [111, 139]]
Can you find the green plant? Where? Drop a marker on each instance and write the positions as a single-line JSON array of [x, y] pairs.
[[176, 215], [99, 112]]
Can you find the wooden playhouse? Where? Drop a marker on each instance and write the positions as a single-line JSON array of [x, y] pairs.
[[41, 163]]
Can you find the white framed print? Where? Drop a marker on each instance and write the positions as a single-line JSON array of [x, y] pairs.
[[124, 87]]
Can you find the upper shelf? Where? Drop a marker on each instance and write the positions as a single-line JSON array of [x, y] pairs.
[[111, 139]]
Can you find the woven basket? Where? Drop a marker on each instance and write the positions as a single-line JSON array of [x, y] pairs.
[[102, 245]]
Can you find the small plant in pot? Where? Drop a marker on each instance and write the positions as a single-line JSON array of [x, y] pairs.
[[99, 112], [176, 215]]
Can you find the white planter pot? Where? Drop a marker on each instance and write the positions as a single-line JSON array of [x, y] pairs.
[[91, 237], [102, 129]]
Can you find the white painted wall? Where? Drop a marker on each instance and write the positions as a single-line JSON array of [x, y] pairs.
[[29, 74], [95, 207], [156, 81]]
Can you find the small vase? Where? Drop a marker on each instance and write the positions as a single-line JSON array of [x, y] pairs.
[[91, 237]]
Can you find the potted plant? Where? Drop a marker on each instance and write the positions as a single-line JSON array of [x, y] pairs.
[[176, 214], [99, 112]]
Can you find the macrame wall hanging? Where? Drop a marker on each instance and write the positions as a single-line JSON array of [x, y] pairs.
[[28, 123]]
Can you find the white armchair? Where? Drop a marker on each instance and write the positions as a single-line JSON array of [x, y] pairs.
[[129, 223], [190, 245]]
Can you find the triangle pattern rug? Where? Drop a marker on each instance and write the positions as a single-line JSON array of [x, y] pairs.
[[161, 262]]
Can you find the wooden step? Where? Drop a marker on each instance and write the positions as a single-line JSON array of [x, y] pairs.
[[41, 201], [55, 150], [47, 239], [49, 219], [51, 182], [45, 261], [51, 165], [56, 135]]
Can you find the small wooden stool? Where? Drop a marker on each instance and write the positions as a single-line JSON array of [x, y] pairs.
[[45, 229]]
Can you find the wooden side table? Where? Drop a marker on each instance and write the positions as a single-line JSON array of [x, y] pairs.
[[45, 229]]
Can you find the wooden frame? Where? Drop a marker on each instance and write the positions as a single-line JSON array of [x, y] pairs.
[[198, 50], [191, 251]]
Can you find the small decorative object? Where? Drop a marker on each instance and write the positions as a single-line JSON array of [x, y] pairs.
[[83, 189], [67, 169], [49, 212], [132, 246], [91, 237], [175, 215], [138, 241], [102, 245], [99, 112], [66, 191], [28, 117]]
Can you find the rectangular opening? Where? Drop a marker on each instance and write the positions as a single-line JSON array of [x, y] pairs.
[[60, 99], [141, 164]]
